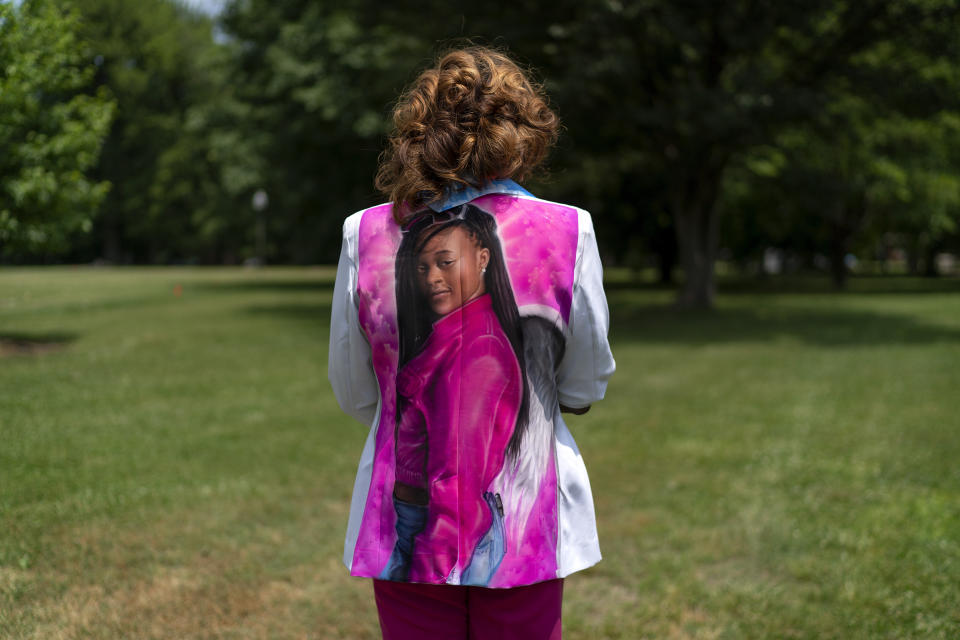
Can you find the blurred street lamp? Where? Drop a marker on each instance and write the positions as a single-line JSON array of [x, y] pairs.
[[260, 201]]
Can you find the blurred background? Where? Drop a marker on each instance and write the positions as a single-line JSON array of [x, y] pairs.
[[760, 138], [776, 192]]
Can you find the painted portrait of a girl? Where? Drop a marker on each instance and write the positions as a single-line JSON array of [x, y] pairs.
[[461, 352]]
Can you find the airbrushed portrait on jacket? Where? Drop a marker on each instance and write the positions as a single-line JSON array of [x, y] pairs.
[[464, 493]]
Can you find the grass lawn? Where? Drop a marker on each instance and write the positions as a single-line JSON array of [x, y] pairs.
[[175, 466]]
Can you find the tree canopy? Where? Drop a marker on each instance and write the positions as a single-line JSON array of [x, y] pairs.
[[823, 128], [51, 128]]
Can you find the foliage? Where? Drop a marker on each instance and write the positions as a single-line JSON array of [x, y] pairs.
[[821, 127], [51, 130], [315, 82], [693, 91], [159, 59], [858, 169]]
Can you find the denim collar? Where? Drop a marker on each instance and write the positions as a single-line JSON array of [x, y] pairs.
[[463, 195]]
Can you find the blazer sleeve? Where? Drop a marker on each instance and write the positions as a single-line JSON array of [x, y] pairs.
[[350, 367], [587, 361]]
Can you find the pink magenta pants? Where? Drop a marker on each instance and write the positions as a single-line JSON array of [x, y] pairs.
[[411, 611]]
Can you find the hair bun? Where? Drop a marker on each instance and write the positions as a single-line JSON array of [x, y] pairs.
[[471, 118]]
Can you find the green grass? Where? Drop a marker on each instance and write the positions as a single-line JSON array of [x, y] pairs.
[[786, 466]]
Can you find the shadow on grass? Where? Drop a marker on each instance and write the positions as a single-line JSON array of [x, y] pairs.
[[664, 324], [803, 284], [292, 285], [312, 312], [639, 320], [827, 327], [26, 344], [856, 285]]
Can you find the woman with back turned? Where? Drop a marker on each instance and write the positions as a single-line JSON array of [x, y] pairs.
[[467, 315]]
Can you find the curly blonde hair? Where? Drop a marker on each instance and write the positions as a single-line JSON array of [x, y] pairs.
[[473, 117]]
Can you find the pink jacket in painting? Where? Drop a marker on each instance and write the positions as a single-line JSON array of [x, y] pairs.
[[485, 393], [456, 411]]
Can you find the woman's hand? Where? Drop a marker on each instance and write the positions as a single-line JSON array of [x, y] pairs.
[[576, 412]]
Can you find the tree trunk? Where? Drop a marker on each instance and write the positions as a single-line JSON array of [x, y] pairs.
[[880, 254], [913, 255], [696, 213], [849, 216], [930, 251], [666, 260], [838, 265], [111, 239], [666, 254], [840, 232]]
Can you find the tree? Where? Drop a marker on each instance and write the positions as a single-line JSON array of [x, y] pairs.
[[51, 130], [689, 89], [159, 59], [669, 108], [315, 82], [879, 156]]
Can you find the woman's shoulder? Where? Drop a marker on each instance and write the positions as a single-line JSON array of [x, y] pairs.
[[379, 216], [533, 214], [584, 219]]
